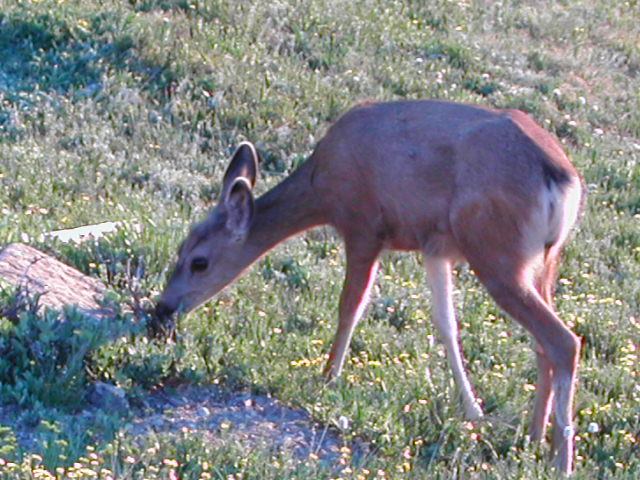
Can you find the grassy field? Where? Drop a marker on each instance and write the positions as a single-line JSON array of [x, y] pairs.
[[128, 110]]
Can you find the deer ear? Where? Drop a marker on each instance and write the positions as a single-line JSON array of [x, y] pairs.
[[239, 205], [244, 164]]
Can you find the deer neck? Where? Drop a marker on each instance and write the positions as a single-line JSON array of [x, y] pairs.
[[289, 208]]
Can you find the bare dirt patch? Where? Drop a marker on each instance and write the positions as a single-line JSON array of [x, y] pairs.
[[219, 417], [245, 418]]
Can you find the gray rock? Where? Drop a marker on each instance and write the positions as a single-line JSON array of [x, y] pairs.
[[57, 285], [108, 397]]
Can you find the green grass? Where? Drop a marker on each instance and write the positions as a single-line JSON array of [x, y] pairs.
[[127, 111]]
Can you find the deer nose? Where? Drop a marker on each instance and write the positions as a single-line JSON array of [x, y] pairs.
[[164, 311], [162, 324]]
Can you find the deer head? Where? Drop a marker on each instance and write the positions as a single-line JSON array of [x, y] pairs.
[[213, 253]]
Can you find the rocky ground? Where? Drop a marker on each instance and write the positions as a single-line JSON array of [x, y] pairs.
[[207, 411]]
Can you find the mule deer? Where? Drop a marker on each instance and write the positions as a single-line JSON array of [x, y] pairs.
[[455, 182]]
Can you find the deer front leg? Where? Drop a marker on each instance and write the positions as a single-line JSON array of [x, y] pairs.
[[361, 269], [439, 275]]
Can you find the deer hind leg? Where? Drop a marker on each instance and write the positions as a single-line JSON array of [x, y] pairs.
[[545, 285], [558, 348], [544, 396], [361, 269], [505, 263], [439, 275]]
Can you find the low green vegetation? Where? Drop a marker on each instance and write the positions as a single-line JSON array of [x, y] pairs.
[[128, 110]]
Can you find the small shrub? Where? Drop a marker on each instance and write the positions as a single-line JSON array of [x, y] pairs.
[[42, 357]]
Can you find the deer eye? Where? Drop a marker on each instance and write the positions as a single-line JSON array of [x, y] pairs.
[[199, 264]]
